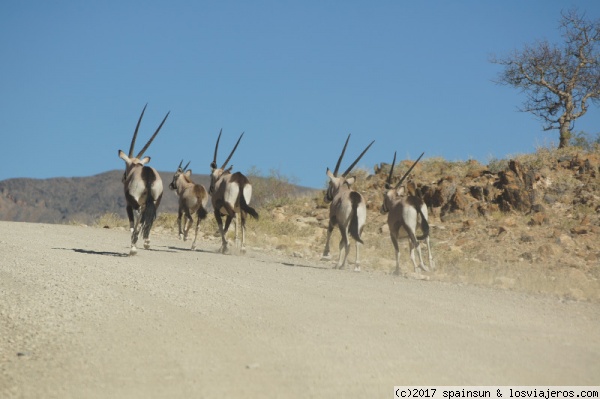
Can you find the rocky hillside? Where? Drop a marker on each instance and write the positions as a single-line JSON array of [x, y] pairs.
[[530, 223]]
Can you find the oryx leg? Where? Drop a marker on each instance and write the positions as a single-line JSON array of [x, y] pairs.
[[236, 221], [357, 261], [243, 226], [135, 230], [424, 215], [224, 247], [187, 224], [361, 215], [148, 211], [179, 217], [344, 249], [196, 231], [414, 245], [394, 238], [326, 251], [219, 219], [130, 216], [431, 262]]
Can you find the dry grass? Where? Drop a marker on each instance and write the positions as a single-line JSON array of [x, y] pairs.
[[111, 221]]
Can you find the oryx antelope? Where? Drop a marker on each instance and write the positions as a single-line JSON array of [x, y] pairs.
[[230, 196], [347, 210], [406, 212], [143, 189], [192, 200]]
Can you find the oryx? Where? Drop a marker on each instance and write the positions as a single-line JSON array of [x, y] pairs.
[[143, 189], [347, 210], [230, 196], [192, 200], [406, 212]]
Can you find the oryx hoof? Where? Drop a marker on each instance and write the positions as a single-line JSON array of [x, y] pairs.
[[326, 257], [397, 272], [357, 268], [181, 237], [132, 251], [193, 247], [147, 244]]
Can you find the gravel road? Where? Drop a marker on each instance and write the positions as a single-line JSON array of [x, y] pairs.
[[80, 319]]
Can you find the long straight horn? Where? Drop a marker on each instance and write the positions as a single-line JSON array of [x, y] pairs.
[[179, 167], [357, 159], [213, 164], [389, 179], [153, 136], [232, 151], [137, 127], [337, 165], [185, 167], [408, 171]]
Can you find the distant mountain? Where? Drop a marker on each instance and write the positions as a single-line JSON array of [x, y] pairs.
[[82, 199]]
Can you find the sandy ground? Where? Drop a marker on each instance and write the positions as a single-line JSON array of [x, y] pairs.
[[79, 319]]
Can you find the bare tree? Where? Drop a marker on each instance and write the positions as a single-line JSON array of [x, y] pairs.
[[559, 81]]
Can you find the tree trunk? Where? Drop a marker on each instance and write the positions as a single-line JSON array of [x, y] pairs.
[[565, 135]]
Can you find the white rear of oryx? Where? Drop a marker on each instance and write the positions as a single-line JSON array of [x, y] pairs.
[[143, 189], [192, 200], [408, 213], [347, 210], [230, 196]]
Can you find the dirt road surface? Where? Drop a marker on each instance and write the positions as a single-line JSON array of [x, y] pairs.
[[79, 319]]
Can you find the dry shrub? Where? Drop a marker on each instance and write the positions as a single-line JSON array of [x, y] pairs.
[[271, 189], [111, 221]]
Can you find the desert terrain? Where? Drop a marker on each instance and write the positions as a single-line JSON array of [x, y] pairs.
[[80, 319]]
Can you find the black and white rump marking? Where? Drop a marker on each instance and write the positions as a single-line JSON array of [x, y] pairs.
[[192, 201], [143, 189], [230, 196], [347, 210], [406, 212]]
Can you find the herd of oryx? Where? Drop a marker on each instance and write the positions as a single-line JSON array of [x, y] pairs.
[[231, 194]]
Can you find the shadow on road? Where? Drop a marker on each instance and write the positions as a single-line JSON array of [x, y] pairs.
[[175, 249], [108, 253], [303, 265], [90, 252]]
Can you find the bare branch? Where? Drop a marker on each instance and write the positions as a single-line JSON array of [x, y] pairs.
[[559, 82]]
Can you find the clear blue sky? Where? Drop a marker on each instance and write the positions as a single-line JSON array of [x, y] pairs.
[[296, 77]]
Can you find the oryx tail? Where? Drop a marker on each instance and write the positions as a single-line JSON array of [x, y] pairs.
[[355, 229], [424, 225], [148, 216], [244, 204]]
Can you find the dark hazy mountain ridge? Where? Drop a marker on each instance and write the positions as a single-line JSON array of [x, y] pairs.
[[79, 199], [64, 199]]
